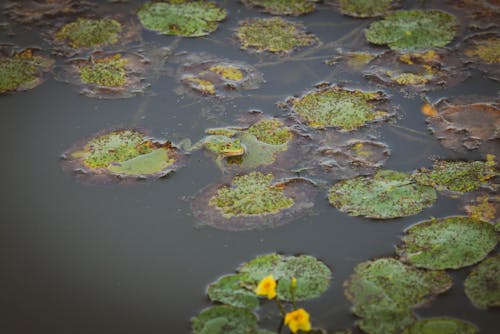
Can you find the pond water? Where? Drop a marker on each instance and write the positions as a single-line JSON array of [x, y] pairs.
[[132, 258]]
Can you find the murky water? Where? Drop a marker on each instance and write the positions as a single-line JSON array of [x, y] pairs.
[[77, 258]]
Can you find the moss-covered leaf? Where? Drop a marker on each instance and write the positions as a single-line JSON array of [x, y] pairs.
[[230, 290], [441, 326], [224, 319], [482, 286]]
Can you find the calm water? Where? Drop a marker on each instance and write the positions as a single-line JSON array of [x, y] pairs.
[[76, 258]]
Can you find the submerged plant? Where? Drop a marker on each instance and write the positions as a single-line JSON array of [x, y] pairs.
[[283, 7], [181, 17], [482, 286], [409, 30]]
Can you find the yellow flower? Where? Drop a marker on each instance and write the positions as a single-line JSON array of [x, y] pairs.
[[298, 320], [267, 287]]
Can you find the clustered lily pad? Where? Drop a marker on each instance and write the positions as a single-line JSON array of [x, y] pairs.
[[253, 34], [182, 17], [366, 8], [22, 70], [283, 7], [253, 201], [441, 326], [457, 176], [334, 106], [412, 30], [447, 243], [40, 11], [107, 75], [388, 194], [482, 286], [123, 154], [384, 291]]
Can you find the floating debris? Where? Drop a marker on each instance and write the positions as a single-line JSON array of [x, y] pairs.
[[338, 107], [22, 70], [388, 194], [283, 7], [482, 51], [253, 201], [384, 291], [224, 319], [441, 326], [448, 243], [482, 286], [412, 30], [182, 17], [122, 154], [366, 8], [106, 75], [253, 34]]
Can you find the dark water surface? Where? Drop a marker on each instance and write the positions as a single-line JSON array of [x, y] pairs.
[[77, 258]]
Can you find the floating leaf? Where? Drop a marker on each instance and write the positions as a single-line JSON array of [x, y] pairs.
[[447, 243], [441, 326], [483, 52], [482, 286], [484, 207], [271, 131], [224, 319], [313, 277], [388, 194], [230, 290], [410, 30], [334, 106], [283, 7], [366, 8], [22, 70], [254, 34], [457, 176], [181, 17]]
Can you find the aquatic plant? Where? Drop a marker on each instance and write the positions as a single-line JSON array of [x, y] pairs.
[[224, 319], [283, 7], [253, 34], [441, 326], [298, 320], [271, 131], [39, 12], [388, 194], [484, 207], [366, 8], [447, 243], [410, 30], [231, 290], [356, 60], [90, 33], [181, 17], [482, 51], [482, 286]]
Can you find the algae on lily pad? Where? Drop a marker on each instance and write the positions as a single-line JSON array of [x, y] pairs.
[[447, 243], [122, 154], [412, 30], [482, 286], [283, 7], [313, 276], [181, 17], [106, 75], [337, 107], [457, 176], [273, 35], [441, 326], [253, 201], [366, 8], [388, 194], [224, 319], [22, 70], [231, 290], [384, 291]]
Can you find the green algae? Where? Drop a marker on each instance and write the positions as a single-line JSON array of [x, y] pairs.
[[447, 243], [181, 17], [365, 8], [409, 30], [251, 194], [283, 7], [384, 291], [441, 326], [388, 194], [90, 33], [254, 34], [338, 107], [231, 290], [105, 72], [457, 176], [271, 131], [224, 319], [482, 286]]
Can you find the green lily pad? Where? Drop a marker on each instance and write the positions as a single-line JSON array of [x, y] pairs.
[[482, 286], [388, 194], [410, 30], [383, 291], [224, 319], [231, 291], [22, 70], [313, 276], [447, 243], [181, 17], [441, 326], [283, 7], [457, 176], [334, 106], [254, 34], [271, 131], [366, 8]]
